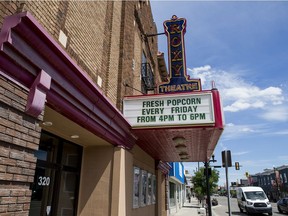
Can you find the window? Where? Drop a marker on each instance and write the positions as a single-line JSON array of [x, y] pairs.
[[149, 193], [172, 188], [255, 195], [143, 191], [178, 193], [154, 189], [144, 188], [147, 76], [136, 188]]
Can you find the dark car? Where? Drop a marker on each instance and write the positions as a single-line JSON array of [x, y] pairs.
[[214, 202], [282, 205]]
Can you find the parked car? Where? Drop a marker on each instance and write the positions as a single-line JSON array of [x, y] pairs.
[[282, 205], [214, 202]]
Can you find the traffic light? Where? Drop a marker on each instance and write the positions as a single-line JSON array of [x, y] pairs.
[[237, 166], [226, 158]]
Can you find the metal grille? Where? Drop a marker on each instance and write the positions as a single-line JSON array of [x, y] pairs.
[[260, 205], [147, 76]]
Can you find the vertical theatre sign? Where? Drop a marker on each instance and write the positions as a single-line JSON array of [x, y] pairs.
[[190, 106], [179, 81]]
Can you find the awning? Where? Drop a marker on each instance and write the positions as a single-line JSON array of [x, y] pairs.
[[200, 143], [29, 55]]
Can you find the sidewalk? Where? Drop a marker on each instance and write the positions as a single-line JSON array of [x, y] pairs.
[[190, 209]]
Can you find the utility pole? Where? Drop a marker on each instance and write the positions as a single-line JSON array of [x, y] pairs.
[[227, 162], [228, 189], [208, 189]]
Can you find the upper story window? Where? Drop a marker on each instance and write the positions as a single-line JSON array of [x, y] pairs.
[[147, 76], [285, 178]]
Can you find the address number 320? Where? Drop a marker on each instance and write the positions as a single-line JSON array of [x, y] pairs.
[[43, 180]]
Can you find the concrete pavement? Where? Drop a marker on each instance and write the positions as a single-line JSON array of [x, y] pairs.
[[191, 209]]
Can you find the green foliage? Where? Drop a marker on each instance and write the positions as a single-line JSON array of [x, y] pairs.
[[199, 182], [233, 193]]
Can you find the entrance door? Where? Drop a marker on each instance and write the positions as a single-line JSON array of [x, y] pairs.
[[56, 181]]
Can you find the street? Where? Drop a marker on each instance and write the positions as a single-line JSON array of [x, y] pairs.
[[222, 208]]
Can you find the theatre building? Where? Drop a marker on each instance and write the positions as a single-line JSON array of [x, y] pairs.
[[72, 74]]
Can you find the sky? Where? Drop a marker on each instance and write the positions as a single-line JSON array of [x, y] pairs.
[[243, 47]]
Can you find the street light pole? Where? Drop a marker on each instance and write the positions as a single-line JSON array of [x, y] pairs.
[[206, 164], [227, 186], [227, 162]]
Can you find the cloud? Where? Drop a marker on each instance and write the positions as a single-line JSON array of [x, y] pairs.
[[244, 131], [238, 94], [239, 105], [191, 166], [240, 153], [283, 132], [275, 114], [222, 146], [258, 163], [233, 131], [283, 157]]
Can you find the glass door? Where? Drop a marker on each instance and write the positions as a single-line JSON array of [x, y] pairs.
[[56, 180], [42, 191]]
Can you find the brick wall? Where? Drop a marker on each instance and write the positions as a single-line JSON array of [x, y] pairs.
[[137, 63], [85, 25], [101, 37], [137, 21], [19, 138], [111, 82], [6, 9]]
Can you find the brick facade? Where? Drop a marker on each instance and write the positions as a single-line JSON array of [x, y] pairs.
[[19, 138], [101, 38]]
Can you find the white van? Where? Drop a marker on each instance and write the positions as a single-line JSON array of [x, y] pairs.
[[253, 200]]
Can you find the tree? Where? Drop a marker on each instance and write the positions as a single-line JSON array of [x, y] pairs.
[[199, 182]]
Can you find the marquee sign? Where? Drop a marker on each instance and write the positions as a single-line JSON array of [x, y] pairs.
[[170, 110], [179, 80]]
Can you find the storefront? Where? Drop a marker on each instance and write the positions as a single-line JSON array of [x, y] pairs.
[[176, 187]]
